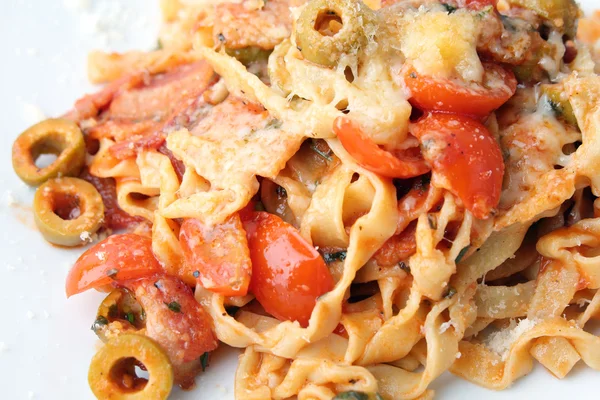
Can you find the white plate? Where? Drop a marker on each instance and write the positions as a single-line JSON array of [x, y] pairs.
[[45, 341]]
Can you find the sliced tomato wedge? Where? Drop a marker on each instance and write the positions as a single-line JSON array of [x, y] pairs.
[[476, 99], [370, 156], [218, 255], [288, 274], [116, 258], [465, 159]]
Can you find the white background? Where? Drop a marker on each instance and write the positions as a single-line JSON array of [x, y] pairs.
[[45, 341]]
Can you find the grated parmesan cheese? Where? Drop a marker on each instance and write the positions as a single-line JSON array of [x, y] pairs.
[[85, 236], [500, 342]]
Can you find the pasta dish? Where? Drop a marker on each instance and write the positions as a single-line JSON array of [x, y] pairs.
[[360, 195]]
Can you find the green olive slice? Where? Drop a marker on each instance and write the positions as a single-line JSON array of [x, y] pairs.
[[118, 313], [112, 371], [52, 136], [560, 103], [561, 14], [326, 29], [67, 210]]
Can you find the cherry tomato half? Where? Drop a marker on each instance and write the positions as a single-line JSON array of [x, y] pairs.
[[477, 99], [465, 159], [116, 258], [372, 157], [288, 274], [219, 254]]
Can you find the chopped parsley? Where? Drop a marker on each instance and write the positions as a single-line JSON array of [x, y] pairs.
[[404, 267], [449, 8], [130, 317], [331, 257], [326, 156], [174, 306], [461, 254], [204, 360], [274, 124]]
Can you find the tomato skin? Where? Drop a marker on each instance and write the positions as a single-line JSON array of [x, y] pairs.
[[465, 159], [219, 254], [372, 157], [288, 274], [116, 258], [433, 94]]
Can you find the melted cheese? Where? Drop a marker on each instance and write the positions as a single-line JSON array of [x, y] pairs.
[[233, 144], [443, 45]]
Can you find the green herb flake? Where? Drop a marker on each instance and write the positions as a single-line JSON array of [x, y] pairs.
[[331, 257], [352, 395], [450, 9], [196, 274], [130, 317], [321, 153], [274, 124], [204, 360], [461, 254], [174, 306], [404, 267]]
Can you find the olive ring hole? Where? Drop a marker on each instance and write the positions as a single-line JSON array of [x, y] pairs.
[[129, 375], [46, 151], [66, 206], [328, 23]]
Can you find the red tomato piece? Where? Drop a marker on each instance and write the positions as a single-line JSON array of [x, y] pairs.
[[477, 99], [116, 258], [91, 105], [465, 159], [288, 274], [372, 157], [218, 255]]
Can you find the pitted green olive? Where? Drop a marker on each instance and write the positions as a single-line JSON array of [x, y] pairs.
[[67, 210], [52, 136], [118, 313], [327, 29], [561, 14], [559, 103], [112, 371]]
